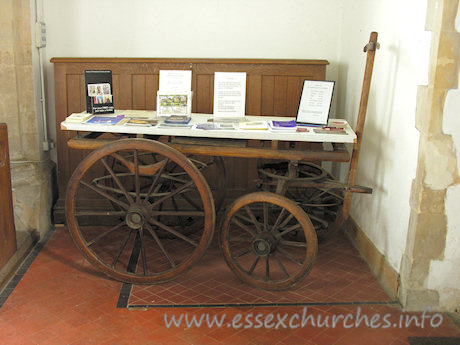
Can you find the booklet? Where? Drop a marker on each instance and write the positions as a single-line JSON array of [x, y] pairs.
[[78, 117], [178, 119], [105, 120], [258, 125], [283, 125]]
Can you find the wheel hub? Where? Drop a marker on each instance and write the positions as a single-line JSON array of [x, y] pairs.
[[263, 244], [135, 217]]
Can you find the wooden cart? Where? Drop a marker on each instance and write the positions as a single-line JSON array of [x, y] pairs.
[[160, 209]]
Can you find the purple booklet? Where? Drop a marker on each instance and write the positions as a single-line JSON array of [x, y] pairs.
[[283, 125]]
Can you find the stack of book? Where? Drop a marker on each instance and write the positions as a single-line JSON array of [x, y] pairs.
[[78, 117]]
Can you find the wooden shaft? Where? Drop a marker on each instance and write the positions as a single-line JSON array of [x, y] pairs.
[[338, 155], [371, 48]]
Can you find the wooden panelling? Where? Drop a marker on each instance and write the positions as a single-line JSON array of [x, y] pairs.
[[273, 88], [7, 229]]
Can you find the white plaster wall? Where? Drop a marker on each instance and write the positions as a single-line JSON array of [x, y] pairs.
[[297, 29], [388, 158]]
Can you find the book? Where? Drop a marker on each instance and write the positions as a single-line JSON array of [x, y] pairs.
[[178, 119], [216, 126], [105, 120], [330, 130], [78, 117], [174, 125], [254, 125], [140, 122], [290, 126]]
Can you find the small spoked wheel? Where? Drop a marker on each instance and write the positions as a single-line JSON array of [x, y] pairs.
[[129, 208], [268, 241], [313, 188]]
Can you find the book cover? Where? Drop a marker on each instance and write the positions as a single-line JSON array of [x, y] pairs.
[[105, 120], [283, 125], [78, 117], [140, 122], [98, 90], [178, 119], [259, 125]]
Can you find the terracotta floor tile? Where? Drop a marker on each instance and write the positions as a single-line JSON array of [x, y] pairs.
[[61, 299]]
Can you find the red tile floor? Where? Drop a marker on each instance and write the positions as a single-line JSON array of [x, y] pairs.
[[61, 299]]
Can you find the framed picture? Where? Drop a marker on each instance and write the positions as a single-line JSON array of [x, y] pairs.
[[174, 103], [315, 102]]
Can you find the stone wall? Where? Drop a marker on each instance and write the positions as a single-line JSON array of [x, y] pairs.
[[430, 269], [31, 169]]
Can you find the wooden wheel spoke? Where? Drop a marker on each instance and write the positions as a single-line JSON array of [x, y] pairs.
[[278, 220], [190, 201], [289, 256], [136, 176], [294, 244], [117, 180], [243, 226], [172, 231], [280, 264], [286, 221], [162, 248], [253, 218], [122, 247], [265, 211], [241, 253], [254, 264], [144, 261], [155, 180], [105, 233], [291, 228], [105, 195], [267, 268], [170, 195]]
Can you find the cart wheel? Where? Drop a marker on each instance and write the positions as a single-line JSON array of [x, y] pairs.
[[323, 204], [150, 183], [268, 241], [322, 201]]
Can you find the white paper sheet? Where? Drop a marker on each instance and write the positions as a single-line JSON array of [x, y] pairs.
[[229, 94], [175, 80]]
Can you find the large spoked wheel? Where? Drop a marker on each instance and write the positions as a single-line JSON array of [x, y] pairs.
[[268, 241], [144, 190]]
